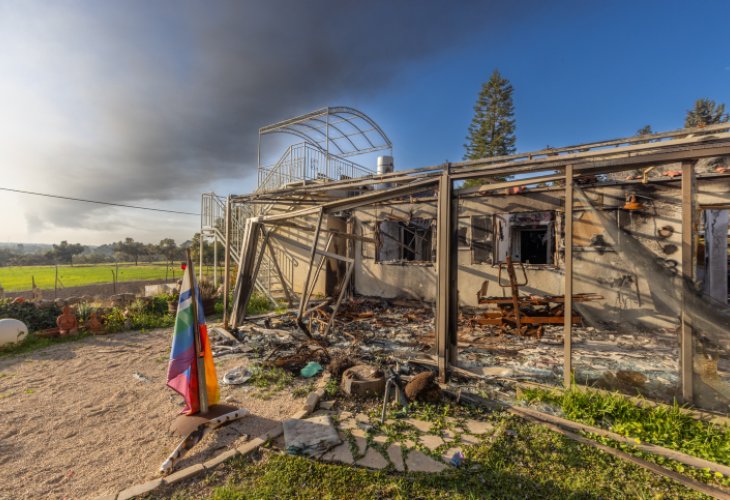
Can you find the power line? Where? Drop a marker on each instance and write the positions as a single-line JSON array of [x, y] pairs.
[[34, 193]]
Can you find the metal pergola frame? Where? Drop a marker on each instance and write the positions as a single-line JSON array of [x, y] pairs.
[[317, 126]]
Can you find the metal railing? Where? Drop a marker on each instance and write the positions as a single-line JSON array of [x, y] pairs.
[[304, 162], [212, 222]]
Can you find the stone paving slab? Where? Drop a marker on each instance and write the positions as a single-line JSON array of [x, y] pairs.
[[430, 441], [340, 454], [372, 460], [478, 427], [395, 455], [420, 462], [458, 433]]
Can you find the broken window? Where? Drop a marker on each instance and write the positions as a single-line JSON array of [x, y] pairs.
[[481, 239], [405, 241], [462, 232], [529, 237]]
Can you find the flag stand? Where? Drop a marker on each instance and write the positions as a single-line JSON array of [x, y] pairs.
[[192, 428], [199, 360]]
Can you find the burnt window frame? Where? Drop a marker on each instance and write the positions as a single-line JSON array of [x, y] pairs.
[[552, 229], [411, 235]]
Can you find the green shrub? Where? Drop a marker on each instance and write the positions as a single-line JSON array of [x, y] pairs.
[[114, 321], [35, 318], [147, 320], [258, 304]]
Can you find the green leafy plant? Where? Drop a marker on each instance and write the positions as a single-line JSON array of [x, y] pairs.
[[36, 317], [269, 381], [258, 304], [84, 310], [114, 320]]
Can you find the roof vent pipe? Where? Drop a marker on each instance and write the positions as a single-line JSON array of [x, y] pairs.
[[385, 166]]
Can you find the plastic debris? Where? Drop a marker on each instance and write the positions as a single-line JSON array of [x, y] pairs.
[[457, 459], [237, 376], [141, 377], [311, 369]]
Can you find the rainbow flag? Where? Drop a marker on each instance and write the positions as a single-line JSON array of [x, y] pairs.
[[182, 373]]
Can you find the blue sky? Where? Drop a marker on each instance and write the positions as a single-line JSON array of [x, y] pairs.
[[579, 75], [154, 105]]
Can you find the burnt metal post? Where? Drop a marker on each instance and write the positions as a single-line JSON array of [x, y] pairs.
[[568, 284], [446, 266], [282, 279], [227, 263], [686, 350], [313, 251]]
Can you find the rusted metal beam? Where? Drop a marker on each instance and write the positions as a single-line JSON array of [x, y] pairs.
[[315, 240], [282, 278], [686, 354], [227, 265], [568, 281], [446, 266], [314, 279], [343, 291]]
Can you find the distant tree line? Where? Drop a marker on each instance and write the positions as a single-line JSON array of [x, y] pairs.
[[126, 250]]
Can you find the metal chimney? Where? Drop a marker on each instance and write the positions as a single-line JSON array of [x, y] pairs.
[[385, 166]]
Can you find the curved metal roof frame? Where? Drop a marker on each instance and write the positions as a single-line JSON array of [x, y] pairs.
[[316, 127]]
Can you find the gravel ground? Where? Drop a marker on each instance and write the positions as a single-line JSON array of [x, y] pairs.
[[76, 423]]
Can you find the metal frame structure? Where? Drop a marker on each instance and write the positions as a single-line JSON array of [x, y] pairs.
[[563, 166], [332, 136], [348, 125]]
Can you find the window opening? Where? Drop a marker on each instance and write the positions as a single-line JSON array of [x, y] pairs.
[[400, 241], [528, 237]]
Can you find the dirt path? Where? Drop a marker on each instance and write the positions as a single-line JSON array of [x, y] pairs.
[[76, 423]]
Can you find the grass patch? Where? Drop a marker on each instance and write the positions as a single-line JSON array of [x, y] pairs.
[[528, 462], [269, 381], [259, 304], [17, 278], [32, 343], [666, 426]]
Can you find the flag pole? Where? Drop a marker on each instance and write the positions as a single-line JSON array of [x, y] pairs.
[[199, 354]]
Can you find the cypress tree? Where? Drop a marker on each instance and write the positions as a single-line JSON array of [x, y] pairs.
[[705, 112], [492, 129]]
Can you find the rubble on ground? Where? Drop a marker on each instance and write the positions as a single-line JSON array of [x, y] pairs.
[[377, 332]]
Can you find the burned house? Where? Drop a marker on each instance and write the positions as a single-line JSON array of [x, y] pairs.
[[602, 263]]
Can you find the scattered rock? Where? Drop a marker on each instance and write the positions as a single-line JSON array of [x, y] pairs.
[[423, 387]]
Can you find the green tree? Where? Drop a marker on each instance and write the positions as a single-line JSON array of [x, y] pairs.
[[645, 130], [169, 249], [705, 112], [63, 252], [130, 248], [492, 129]]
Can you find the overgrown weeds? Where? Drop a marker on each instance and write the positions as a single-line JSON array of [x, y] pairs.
[[269, 381], [666, 426]]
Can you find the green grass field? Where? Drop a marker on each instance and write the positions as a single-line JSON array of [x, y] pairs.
[[19, 278]]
